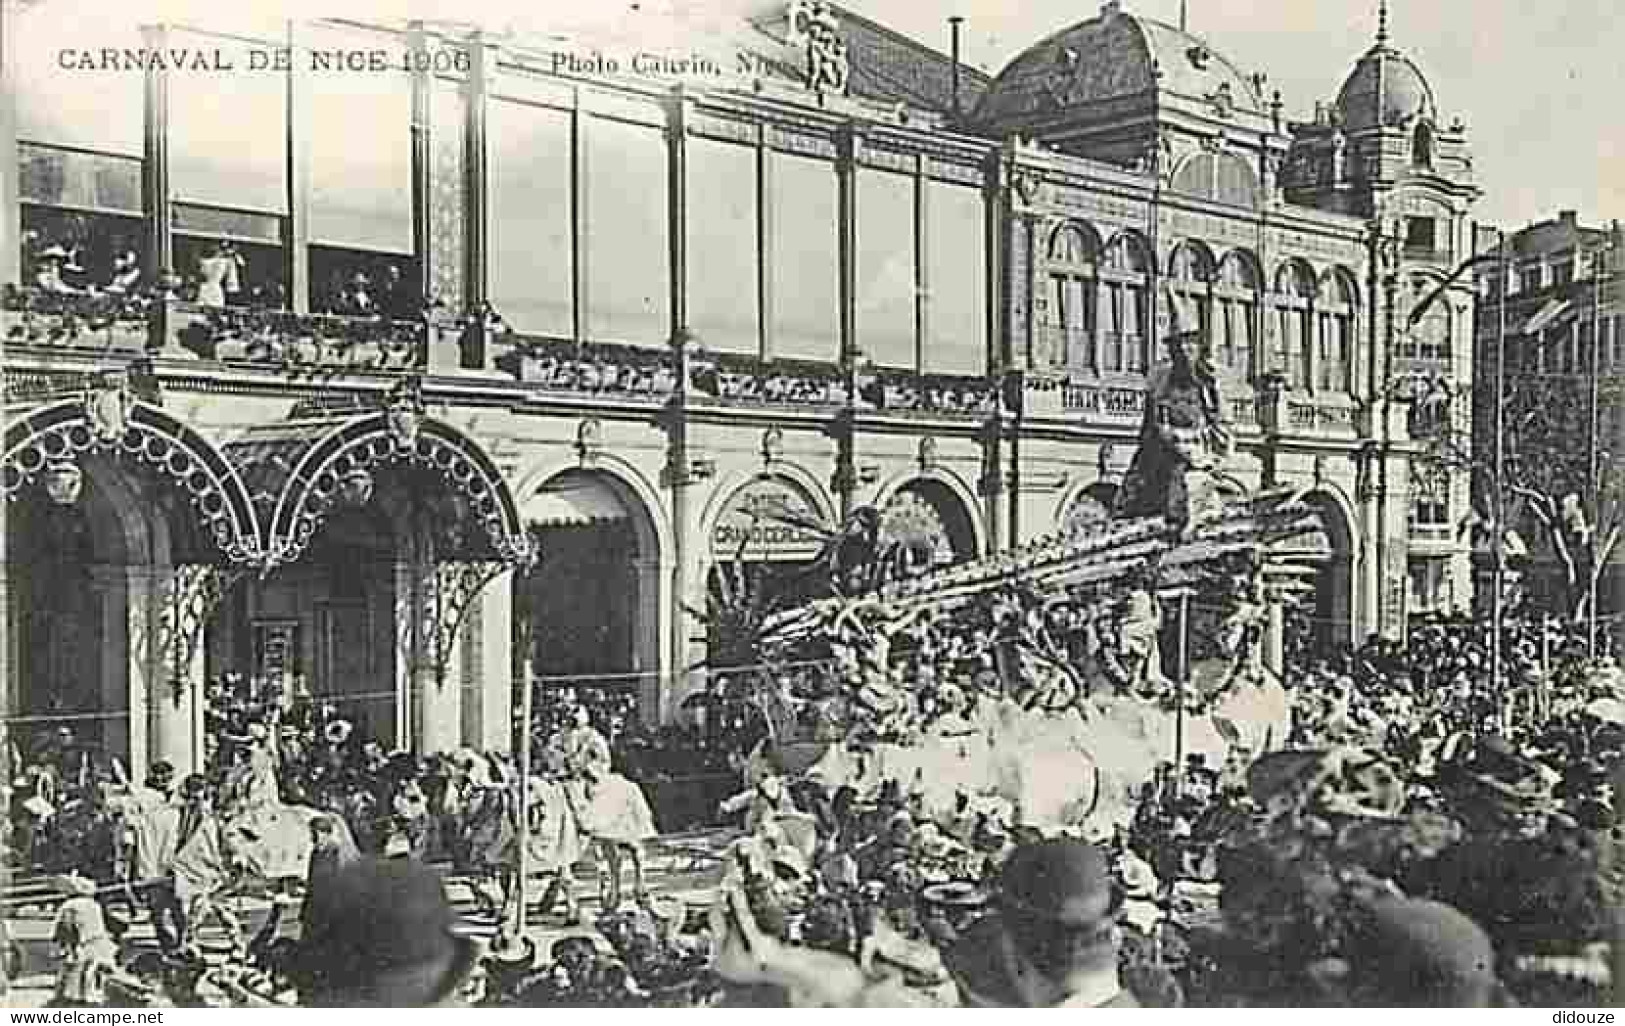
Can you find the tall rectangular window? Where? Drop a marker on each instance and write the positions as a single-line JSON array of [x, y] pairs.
[[806, 263], [532, 258], [92, 109], [720, 200], [627, 261], [957, 276], [228, 130], [885, 272], [360, 130]]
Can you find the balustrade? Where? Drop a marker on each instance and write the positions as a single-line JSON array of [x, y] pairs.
[[596, 369], [1107, 402], [103, 321], [292, 341], [1307, 415]]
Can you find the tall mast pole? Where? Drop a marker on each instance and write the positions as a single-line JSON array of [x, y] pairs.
[[1497, 610], [1593, 470]]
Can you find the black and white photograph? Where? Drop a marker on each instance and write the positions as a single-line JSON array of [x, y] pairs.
[[669, 504]]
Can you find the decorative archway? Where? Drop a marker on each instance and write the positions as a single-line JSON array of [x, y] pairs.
[[108, 419], [1327, 555], [387, 526], [592, 605], [298, 469]]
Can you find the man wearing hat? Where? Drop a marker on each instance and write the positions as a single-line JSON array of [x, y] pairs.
[[386, 939], [1050, 942]]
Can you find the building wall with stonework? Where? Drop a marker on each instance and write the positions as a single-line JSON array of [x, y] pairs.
[[659, 314]]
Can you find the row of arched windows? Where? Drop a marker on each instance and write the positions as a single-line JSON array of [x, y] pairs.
[[1097, 311]]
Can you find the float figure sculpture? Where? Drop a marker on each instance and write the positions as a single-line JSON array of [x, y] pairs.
[[1179, 469]]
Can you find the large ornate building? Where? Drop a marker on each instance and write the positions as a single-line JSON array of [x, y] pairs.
[[855, 273]]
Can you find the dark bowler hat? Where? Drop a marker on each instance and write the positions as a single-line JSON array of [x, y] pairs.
[[1063, 880], [385, 937]]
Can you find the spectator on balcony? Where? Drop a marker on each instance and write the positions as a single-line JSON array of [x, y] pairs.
[[220, 274], [359, 300], [48, 271], [126, 272], [398, 300]]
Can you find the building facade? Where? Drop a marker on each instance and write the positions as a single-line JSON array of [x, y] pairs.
[[1551, 311], [658, 310]]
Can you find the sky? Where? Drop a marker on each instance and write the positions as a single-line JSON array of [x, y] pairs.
[[1539, 84]]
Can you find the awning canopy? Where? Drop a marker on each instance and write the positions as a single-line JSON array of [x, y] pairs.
[[576, 503], [1549, 316]]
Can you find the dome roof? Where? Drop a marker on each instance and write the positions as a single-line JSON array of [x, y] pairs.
[[1404, 93], [1113, 55]]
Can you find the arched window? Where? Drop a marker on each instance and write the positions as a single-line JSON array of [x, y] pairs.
[[1191, 274], [1294, 309], [1125, 307], [1236, 295], [1220, 177], [1069, 315], [1422, 145], [1335, 308]]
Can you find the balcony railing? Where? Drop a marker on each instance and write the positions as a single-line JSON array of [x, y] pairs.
[[1123, 403], [932, 395], [593, 369], [1315, 415], [83, 321], [291, 341]]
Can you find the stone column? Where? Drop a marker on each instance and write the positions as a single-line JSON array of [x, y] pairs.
[[658, 692], [166, 680], [487, 642], [436, 677]]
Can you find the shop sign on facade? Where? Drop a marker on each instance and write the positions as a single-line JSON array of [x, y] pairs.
[[752, 519]]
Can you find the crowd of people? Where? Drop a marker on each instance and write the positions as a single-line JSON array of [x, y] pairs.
[[1412, 843]]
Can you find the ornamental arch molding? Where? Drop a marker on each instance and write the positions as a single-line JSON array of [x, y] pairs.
[[653, 527], [295, 471], [112, 423]]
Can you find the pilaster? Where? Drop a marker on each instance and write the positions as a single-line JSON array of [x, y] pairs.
[[157, 219], [10, 220]]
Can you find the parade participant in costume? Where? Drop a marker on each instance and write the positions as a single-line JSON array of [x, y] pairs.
[[87, 952], [612, 809], [331, 850], [155, 820], [763, 803], [554, 834], [490, 829], [203, 871]]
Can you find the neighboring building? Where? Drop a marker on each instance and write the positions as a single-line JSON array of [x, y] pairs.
[[661, 310], [1556, 301]]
